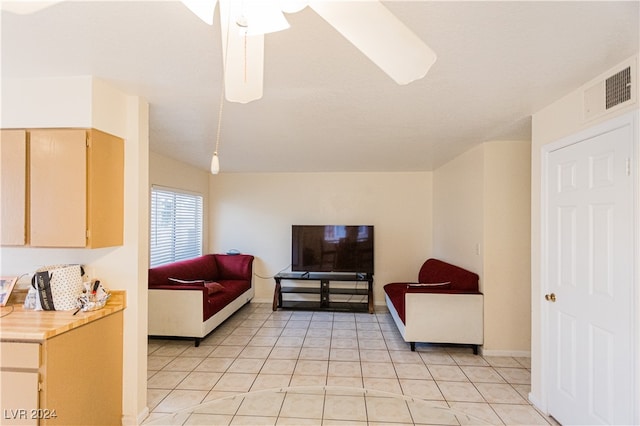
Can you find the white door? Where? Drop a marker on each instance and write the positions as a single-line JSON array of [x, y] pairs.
[[589, 257]]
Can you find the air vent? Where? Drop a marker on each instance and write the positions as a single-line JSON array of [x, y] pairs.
[[610, 91], [618, 88]]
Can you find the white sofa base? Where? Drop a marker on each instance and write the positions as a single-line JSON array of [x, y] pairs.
[[179, 313], [441, 318]]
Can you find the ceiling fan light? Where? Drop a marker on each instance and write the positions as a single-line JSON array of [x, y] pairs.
[[243, 57]]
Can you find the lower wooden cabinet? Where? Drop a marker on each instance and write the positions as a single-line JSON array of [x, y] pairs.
[[19, 383], [74, 378]]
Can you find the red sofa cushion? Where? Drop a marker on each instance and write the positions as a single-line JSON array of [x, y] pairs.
[[214, 287], [437, 271], [234, 267], [203, 268], [231, 290]]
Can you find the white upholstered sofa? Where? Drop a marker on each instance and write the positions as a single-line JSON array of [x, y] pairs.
[[190, 298], [443, 306]]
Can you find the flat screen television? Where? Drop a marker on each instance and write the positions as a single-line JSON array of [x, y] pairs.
[[332, 248]]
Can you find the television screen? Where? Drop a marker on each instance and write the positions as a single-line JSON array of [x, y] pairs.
[[332, 248]]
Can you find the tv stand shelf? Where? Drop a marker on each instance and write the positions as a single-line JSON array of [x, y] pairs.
[[325, 291]]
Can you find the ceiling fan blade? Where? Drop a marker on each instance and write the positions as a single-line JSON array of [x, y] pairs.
[[380, 35], [243, 57], [263, 17], [25, 7], [293, 6], [203, 9]]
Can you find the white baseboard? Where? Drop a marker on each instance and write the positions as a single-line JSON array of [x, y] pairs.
[[516, 354], [536, 403]]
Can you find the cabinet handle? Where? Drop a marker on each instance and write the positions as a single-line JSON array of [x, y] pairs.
[[550, 297]]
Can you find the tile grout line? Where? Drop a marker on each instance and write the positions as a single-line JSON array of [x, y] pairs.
[[358, 348]]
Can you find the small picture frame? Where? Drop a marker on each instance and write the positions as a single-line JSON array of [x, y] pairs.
[[6, 286]]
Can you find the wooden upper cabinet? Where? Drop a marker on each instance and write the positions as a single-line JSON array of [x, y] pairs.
[[105, 203], [58, 170], [76, 188], [13, 187]]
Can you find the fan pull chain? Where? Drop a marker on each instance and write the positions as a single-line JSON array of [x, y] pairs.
[[245, 57], [215, 151], [215, 161]]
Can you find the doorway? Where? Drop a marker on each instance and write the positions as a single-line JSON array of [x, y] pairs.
[[588, 275]]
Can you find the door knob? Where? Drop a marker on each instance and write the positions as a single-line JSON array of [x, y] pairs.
[[550, 297]]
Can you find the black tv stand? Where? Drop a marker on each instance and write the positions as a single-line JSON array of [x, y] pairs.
[[325, 291]]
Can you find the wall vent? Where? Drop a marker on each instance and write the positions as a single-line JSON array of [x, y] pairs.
[[618, 88], [609, 92]]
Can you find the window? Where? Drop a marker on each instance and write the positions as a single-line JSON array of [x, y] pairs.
[[176, 226]]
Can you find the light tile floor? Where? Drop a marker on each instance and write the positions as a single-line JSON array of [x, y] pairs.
[[258, 349]]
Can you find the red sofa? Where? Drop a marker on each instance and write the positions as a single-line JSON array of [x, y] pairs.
[[443, 306], [192, 297]]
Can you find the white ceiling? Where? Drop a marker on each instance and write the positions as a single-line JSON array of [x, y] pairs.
[[326, 107]]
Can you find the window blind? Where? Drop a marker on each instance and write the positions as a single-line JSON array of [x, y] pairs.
[[176, 226]]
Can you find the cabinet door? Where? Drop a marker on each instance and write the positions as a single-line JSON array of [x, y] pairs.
[[19, 397], [13, 179], [19, 383], [105, 208], [82, 378], [58, 178]]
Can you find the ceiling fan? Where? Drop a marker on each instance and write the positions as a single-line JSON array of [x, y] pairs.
[[367, 24]]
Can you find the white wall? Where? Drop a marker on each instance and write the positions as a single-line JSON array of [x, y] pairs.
[[254, 213], [560, 119], [87, 102], [481, 222], [70, 104]]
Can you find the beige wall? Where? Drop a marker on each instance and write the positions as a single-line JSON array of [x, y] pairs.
[[481, 223], [254, 213], [507, 248], [458, 212], [479, 201], [562, 118], [88, 102], [167, 172]]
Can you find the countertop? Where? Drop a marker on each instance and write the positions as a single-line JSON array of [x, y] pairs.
[[19, 324]]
